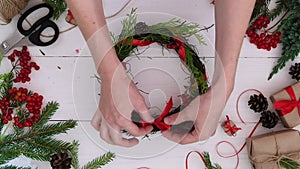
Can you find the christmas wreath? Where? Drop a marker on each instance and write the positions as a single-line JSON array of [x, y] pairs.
[[172, 34]]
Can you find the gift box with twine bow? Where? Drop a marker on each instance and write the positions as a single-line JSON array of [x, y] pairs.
[[287, 104], [275, 150]]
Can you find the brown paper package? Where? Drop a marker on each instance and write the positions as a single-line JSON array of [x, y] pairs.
[[265, 150], [291, 119]]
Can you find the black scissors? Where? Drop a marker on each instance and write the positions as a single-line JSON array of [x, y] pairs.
[[32, 36]]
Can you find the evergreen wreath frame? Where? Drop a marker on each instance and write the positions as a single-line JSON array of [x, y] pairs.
[[172, 34]]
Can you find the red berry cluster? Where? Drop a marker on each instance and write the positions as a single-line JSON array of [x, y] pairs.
[[6, 109], [264, 40], [27, 107], [22, 65]]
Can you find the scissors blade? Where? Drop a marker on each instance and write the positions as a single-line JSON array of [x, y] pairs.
[[11, 42]]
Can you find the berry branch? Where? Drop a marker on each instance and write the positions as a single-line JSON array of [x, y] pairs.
[[287, 29], [24, 126]]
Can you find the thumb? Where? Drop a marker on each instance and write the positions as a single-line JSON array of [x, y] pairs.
[[144, 113], [177, 118]]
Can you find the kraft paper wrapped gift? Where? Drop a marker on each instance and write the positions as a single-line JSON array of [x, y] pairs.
[[286, 103], [265, 151]]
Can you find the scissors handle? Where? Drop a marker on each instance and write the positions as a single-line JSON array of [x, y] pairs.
[[34, 33]]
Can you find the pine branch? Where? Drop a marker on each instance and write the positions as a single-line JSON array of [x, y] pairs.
[[59, 7], [100, 161], [289, 164], [74, 154]]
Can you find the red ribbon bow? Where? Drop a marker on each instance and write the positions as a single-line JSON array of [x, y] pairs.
[[287, 106], [159, 121], [229, 128]]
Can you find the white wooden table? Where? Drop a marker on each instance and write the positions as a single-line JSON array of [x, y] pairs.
[[66, 76]]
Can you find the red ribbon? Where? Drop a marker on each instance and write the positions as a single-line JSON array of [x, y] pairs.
[[71, 16], [159, 121], [137, 42], [179, 45], [287, 106], [228, 128], [187, 159]]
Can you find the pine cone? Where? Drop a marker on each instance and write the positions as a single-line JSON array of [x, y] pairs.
[[60, 161], [295, 71], [141, 28], [258, 103], [268, 119]]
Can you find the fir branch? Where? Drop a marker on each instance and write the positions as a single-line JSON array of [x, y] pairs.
[[289, 164], [6, 82], [59, 7], [47, 112], [74, 154], [49, 145], [100, 161], [49, 130]]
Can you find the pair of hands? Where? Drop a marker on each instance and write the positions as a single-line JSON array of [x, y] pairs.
[[120, 96]]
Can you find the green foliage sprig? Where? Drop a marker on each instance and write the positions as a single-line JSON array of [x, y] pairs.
[[287, 12], [289, 164], [209, 164], [59, 7]]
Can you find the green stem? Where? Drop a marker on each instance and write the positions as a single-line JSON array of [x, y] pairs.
[[4, 132]]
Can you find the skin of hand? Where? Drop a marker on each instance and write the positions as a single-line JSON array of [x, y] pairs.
[[119, 95], [232, 18]]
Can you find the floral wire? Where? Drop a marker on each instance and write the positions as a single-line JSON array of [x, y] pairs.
[[136, 54], [207, 28], [147, 93]]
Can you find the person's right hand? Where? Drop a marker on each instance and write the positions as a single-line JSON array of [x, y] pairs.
[[119, 97]]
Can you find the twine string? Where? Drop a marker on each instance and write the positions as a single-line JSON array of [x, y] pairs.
[[10, 8]]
